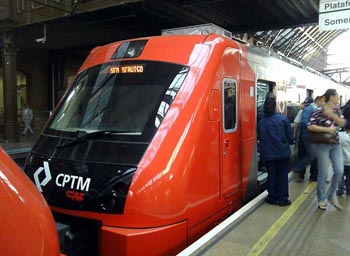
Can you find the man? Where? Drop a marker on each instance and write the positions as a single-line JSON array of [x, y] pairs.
[[307, 157], [27, 117], [275, 136], [297, 118]]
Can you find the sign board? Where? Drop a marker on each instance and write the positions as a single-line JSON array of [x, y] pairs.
[[334, 14]]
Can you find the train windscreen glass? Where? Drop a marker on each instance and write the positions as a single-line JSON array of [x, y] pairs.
[[127, 98]]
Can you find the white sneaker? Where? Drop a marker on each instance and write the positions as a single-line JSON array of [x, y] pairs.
[[322, 205], [335, 203]]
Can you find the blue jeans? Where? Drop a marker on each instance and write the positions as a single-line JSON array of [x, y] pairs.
[[306, 158], [328, 154]]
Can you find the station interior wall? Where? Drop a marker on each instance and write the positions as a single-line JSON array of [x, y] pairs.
[[42, 79]]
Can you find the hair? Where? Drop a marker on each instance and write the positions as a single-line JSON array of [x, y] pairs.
[[328, 94], [346, 113], [269, 106], [270, 95]]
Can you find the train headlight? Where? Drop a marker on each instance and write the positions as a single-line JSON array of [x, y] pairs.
[[131, 49], [112, 198]]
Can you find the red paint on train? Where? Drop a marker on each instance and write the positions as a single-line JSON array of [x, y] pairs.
[[27, 225], [196, 168]]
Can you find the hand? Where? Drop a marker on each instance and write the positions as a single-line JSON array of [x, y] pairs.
[[332, 129]]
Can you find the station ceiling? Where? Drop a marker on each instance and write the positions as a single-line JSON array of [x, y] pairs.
[[287, 26]]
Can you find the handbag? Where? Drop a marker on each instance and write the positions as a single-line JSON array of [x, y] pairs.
[[321, 137]]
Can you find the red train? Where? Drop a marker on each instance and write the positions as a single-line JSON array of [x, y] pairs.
[[154, 143], [27, 225]]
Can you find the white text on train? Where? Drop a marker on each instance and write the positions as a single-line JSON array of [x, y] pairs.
[[75, 182]]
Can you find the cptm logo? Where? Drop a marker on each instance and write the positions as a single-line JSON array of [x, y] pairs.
[[63, 180], [47, 178]]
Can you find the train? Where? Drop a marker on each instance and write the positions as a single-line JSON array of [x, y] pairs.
[[155, 142], [27, 224]]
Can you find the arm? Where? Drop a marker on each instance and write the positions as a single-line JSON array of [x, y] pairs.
[[314, 125], [289, 131], [339, 120], [297, 120], [317, 128]]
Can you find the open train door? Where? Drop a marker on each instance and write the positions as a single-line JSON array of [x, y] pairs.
[[230, 139]]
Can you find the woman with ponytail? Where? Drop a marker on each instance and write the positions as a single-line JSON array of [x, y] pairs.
[[328, 118]]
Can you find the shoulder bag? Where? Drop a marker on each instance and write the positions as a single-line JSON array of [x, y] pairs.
[[321, 137]]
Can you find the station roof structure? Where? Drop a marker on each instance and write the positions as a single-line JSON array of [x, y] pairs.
[[289, 27]]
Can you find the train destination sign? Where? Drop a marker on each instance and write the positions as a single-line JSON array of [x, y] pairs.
[[334, 14], [126, 69]]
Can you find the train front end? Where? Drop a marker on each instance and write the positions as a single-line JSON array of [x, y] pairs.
[[92, 160]]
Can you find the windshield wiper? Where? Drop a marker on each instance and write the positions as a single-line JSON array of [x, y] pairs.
[[86, 136]]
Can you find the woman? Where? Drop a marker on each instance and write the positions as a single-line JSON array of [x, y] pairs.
[[275, 135], [328, 118]]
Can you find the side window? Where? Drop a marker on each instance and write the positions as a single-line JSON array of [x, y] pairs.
[[229, 104], [263, 88]]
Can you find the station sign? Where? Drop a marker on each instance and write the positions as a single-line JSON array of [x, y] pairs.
[[334, 14]]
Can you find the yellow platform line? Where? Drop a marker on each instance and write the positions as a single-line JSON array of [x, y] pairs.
[[274, 229]]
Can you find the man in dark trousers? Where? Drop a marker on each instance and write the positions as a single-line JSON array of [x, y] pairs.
[[307, 157]]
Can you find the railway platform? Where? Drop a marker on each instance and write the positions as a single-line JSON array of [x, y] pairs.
[[298, 229], [19, 150]]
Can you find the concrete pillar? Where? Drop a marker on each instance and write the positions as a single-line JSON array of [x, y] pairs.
[[11, 127]]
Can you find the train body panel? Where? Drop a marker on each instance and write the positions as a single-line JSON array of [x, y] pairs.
[[155, 141], [27, 225], [293, 83]]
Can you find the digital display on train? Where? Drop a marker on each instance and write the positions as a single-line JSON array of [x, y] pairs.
[[126, 69]]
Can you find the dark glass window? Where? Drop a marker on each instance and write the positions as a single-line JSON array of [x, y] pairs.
[[230, 104], [128, 98]]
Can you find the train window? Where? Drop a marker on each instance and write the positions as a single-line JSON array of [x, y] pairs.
[[292, 111], [229, 104], [126, 98], [263, 88]]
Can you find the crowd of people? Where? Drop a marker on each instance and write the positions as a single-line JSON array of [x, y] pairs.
[[324, 145]]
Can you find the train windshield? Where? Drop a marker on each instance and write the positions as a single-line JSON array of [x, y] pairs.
[[126, 98]]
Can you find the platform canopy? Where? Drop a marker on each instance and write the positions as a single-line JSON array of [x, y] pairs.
[[287, 26]]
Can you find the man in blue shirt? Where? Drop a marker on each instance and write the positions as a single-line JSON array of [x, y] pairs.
[[275, 135], [308, 157]]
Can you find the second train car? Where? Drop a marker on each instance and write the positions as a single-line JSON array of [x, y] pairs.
[[154, 143]]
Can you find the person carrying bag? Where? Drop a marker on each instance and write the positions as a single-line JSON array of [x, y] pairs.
[[328, 119]]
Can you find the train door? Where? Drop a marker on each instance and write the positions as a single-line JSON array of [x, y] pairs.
[[230, 139], [263, 88]]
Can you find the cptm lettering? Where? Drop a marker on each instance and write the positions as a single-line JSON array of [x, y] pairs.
[[74, 182]]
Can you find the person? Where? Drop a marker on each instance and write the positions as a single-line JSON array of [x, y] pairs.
[[27, 117], [306, 156], [275, 135], [260, 115], [297, 118], [260, 110], [346, 106], [344, 139], [328, 118], [297, 134]]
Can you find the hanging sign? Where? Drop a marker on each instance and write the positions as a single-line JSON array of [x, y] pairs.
[[334, 14]]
